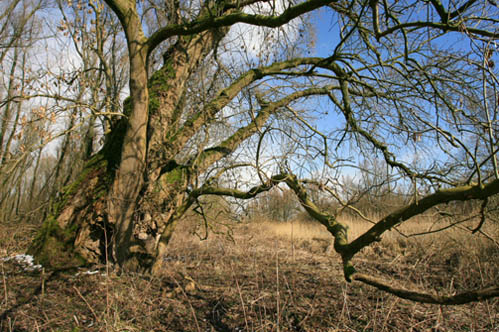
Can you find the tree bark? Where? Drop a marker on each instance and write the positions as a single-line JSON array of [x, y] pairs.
[[77, 230]]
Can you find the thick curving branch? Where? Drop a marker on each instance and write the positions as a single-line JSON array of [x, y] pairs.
[[462, 193], [347, 251], [209, 156], [224, 97], [208, 189], [445, 27], [208, 21], [417, 296]]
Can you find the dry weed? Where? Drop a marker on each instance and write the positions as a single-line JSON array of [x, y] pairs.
[[267, 276]]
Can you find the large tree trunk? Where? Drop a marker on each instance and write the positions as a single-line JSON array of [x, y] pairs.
[[79, 229], [76, 230], [125, 204]]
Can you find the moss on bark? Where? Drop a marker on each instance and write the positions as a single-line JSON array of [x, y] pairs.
[[54, 245], [72, 234]]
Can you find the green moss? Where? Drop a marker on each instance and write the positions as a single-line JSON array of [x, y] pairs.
[[348, 271], [175, 176], [127, 106], [160, 82], [340, 233], [153, 103], [95, 164], [53, 246], [111, 151]]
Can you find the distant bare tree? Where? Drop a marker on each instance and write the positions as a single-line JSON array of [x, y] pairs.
[[72, 100], [20, 133]]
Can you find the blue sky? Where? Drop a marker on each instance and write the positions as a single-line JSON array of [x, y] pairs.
[[326, 29]]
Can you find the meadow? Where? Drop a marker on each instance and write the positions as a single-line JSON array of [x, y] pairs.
[[259, 275]]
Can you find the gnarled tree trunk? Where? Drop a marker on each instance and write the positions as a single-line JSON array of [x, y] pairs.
[[118, 209], [77, 230]]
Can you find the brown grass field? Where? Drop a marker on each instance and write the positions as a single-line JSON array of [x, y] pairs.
[[260, 276]]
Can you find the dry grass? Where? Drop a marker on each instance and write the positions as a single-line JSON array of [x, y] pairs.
[[267, 277]]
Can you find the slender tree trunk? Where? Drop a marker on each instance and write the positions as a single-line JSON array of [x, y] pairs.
[[6, 155], [129, 177], [35, 176], [130, 174], [7, 112]]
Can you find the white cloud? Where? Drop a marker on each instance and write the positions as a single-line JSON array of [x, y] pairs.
[[253, 44]]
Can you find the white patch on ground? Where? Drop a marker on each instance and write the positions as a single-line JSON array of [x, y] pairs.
[[87, 273], [26, 261]]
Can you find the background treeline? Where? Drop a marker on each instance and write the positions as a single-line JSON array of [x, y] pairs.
[[62, 74]]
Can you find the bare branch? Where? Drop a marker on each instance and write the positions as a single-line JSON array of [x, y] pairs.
[[417, 296], [207, 22], [442, 196], [253, 192]]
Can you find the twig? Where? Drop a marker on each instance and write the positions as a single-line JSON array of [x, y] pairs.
[[5, 287], [240, 297], [277, 285], [188, 301], [86, 302]]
